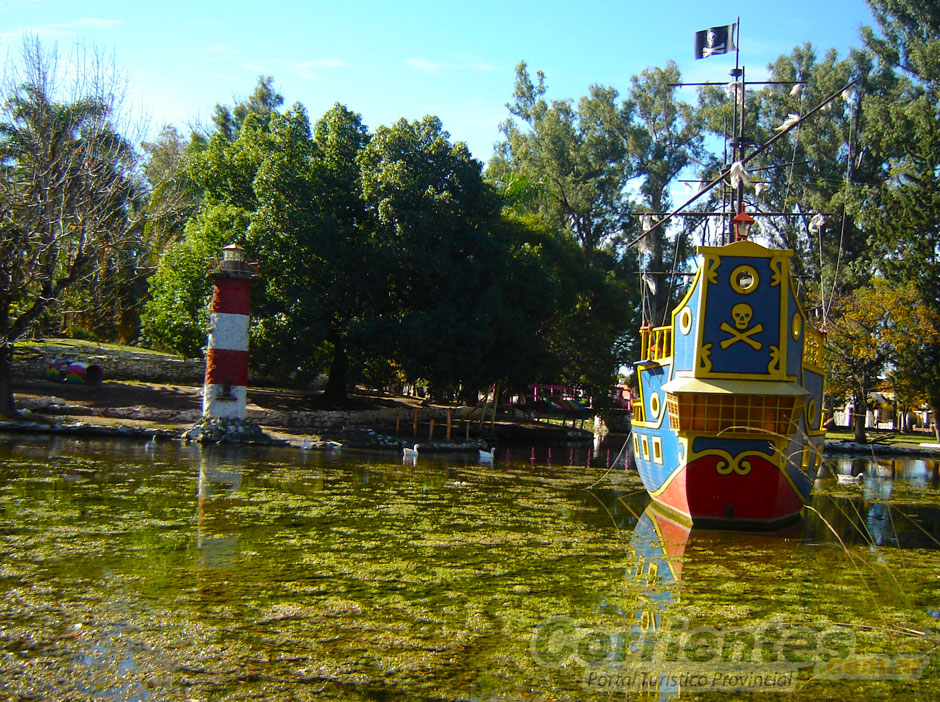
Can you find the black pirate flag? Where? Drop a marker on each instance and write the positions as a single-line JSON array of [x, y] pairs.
[[717, 40]]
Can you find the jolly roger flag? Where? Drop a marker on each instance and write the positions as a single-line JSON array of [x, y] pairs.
[[717, 40]]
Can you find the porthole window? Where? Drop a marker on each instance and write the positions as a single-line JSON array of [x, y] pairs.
[[744, 280], [685, 321], [797, 326], [811, 414], [655, 405]]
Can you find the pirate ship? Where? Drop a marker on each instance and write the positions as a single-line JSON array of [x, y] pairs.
[[727, 429]]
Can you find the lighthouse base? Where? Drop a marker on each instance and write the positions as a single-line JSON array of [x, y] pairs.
[[221, 402]]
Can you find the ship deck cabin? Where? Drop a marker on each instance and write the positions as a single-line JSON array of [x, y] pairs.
[[729, 407]]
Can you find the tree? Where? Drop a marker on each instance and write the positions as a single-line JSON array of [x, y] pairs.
[[435, 218], [577, 158], [218, 172], [570, 168], [875, 329], [67, 186], [904, 209], [664, 139], [314, 241], [173, 196]]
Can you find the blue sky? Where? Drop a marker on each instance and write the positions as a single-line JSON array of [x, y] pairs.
[[405, 58]]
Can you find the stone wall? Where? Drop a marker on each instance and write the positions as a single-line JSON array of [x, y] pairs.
[[315, 422], [386, 417], [31, 362]]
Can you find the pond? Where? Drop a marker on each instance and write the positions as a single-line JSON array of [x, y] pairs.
[[177, 572]]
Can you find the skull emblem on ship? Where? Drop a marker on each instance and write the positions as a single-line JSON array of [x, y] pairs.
[[742, 314]]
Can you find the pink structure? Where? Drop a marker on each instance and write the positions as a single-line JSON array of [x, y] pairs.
[[224, 390]]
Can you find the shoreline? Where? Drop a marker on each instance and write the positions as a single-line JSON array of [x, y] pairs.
[[371, 439]]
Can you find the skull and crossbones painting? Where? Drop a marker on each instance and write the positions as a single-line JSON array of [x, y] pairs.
[[713, 44], [741, 315]]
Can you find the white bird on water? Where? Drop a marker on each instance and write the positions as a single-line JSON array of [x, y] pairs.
[[487, 455], [410, 452]]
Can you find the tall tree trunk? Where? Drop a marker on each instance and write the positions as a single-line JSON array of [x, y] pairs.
[[7, 408], [336, 384], [859, 415], [935, 410]]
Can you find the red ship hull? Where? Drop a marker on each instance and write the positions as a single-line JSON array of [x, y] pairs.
[[705, 493]]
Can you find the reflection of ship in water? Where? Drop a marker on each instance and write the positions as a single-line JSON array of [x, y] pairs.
[[659, 546], [666, 552], [664, 547]]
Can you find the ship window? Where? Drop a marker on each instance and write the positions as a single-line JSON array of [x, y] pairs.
[[658, 449], [716, 413], [636, 444], [807, 458], [646, 449]]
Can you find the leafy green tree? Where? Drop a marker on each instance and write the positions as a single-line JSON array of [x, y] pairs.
[[875, 329], [435, 218], [576, 157], [264, 102], [222, 170], [314, 240], [904, 209], [665, 138], [68, 180]]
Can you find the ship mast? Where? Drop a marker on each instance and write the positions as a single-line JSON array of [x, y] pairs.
[[739, 144], [737, 130]]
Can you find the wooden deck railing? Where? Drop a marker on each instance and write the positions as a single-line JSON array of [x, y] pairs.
[[813, 348], [655, 343]]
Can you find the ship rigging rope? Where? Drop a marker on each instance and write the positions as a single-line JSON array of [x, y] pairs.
[[672, 278], [845, 200], [727, 172], [796, 140], [614, 463]]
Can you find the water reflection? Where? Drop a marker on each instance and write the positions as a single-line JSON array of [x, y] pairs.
[[220, 478], [234, 573]]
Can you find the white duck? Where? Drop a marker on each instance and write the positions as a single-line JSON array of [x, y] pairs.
[[487, 455], [410, 452]]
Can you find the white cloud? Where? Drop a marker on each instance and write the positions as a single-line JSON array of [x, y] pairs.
[[97, 22], [312, 69], [59, 30], [426, 66]]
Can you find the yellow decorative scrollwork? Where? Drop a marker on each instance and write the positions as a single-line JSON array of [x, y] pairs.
[[776, 267], [704, 358], [739, 465], [776, 358], [711, 269]]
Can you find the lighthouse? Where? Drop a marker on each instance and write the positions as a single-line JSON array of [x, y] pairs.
[[224, 390]]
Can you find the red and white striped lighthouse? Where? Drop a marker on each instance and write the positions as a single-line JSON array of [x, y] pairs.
[[223, 393]]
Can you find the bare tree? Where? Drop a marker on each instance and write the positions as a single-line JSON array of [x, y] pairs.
[[68, 185]]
